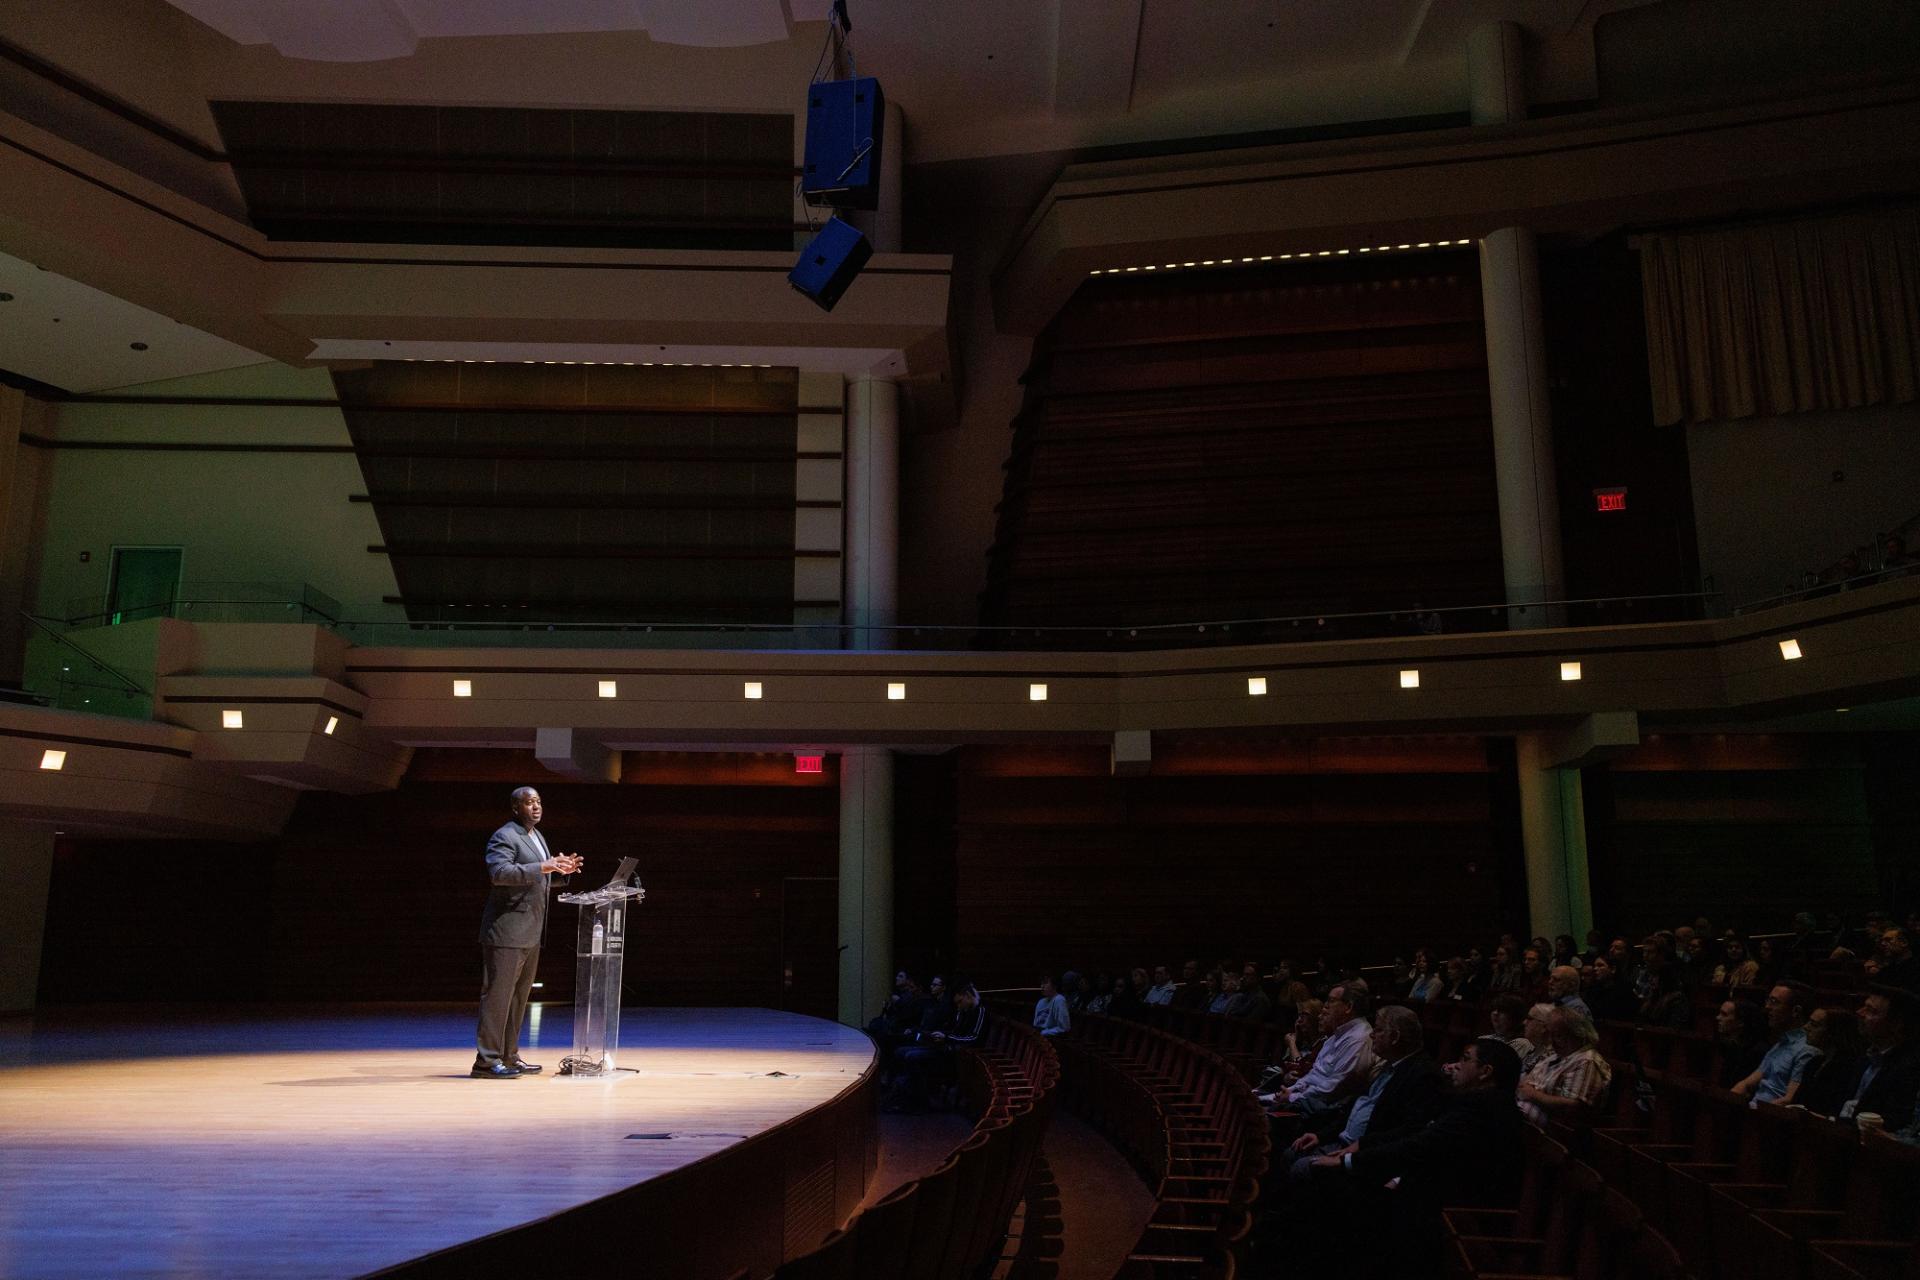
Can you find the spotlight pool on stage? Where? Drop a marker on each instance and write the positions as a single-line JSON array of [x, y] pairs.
[[338, 1142]]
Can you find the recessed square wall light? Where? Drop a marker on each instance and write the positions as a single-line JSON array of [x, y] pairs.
[[1410, 679], [1569, 671], [54, 760], [896, 692], [609, 688], [1036, 693], [1789, 649], [463, 688], [1256, 686], [751, 689], [333, 722], [231, 718]]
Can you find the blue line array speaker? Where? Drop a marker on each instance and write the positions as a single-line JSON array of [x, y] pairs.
[[844, 123], [830, 262]]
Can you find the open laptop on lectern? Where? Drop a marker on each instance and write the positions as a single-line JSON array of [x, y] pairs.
[[623, 873]]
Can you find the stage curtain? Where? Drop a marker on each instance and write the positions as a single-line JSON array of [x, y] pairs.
[[1757, 321]]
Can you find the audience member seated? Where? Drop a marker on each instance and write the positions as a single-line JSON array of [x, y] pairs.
[[1193, 993], [1740, 1029], [1534, 1031], [1843, 1055], [1783, 1068], [1254, 1004], [1300, 1046], [1667, 1003], [1407, 1089], [1563, 989], [1425, 981], [1606, 992], [1898, 967], [1737, 968], [1565, 952], [1139, 986], [1050, 1013], [1103, 1001], [1568, 1083], [1225, 986], [1508, 1014], [899, 1021], [928, 1060], [1342, 1065], [1533, 975], [1383, 1216], [1889, 1076], [1503, 978], [1164, 987]]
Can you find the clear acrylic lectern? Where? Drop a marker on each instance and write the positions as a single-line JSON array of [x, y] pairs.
[[599, 951]]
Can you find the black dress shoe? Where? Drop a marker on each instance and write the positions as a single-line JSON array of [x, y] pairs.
[[526, 1068], [494, 1071]]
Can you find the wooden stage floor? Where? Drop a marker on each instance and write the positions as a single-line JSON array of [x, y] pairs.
[[334, 1143]]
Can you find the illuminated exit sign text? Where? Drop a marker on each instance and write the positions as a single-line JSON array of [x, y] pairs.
[[1610, 499]]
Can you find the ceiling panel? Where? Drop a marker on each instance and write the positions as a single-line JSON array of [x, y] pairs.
[[63, 333]]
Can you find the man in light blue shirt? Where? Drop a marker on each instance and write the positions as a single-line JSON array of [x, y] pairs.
[[1777, 1078], [1050, 1014]]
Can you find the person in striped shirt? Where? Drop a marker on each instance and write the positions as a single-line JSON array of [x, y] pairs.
[[1571, 1079]]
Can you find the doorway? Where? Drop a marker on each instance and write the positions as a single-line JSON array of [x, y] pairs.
[[143, 582], [810, 945]]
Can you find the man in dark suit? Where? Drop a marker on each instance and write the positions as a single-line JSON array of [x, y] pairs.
[[1407, 1088], [518, 864], [1473, 1152], [1887, 1080]]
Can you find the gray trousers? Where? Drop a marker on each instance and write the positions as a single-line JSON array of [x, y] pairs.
[[506, 978]]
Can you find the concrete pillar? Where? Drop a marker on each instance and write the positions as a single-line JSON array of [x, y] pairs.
[[866, 882], [873, 512], [26, 867], [1553, 832], [1528, 494], [1496, 74]]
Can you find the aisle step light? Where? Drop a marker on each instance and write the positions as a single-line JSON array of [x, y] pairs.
[[333, 722]]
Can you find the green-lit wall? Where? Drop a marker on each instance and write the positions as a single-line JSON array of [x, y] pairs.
[[241, 516]]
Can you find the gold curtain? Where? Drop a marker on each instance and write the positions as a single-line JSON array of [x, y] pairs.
[[1756, 321]]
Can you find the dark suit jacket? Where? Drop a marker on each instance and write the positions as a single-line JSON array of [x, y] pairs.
[[1893, 1089], [1413, 1094], [1472, 1153], [516, 910]]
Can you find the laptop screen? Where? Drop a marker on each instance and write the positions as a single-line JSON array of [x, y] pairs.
[[624, 872]]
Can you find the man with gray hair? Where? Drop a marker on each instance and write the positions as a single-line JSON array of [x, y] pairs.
[[1407, 1089], [518, 865], [1344, 1063], [1569, 1082], [1563, 989]]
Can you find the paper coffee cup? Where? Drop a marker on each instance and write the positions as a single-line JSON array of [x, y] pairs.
[[1870, 1120]]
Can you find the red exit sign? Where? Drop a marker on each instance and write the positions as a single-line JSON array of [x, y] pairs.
[[1610, 499], [807, 764]]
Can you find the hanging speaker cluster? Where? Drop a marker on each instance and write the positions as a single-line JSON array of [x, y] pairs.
[[841, 170]]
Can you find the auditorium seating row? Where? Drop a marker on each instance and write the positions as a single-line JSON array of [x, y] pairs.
[[1186, 1119], [1774, 1193], [951, 1222]]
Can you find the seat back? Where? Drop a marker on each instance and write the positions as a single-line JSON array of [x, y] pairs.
[[882, 1232]]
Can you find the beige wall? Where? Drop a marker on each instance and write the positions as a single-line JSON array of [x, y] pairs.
[[241, 516], [1767, 507]]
